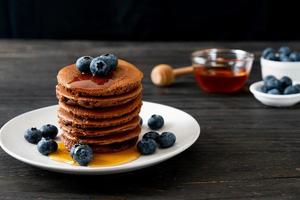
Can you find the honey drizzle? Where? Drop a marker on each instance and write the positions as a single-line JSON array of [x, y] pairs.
[[99, 160], [87, 80]]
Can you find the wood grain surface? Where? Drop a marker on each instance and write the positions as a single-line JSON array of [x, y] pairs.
[[245, 151]]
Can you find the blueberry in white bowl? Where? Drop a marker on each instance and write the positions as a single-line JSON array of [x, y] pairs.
[[283, 86], [269, 92], [286, 81], [295, 56], [273, 91], [284, 61], [291, 90], [267, 51]]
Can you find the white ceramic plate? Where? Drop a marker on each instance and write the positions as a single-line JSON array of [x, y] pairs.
[[12, 141], [271, 99]]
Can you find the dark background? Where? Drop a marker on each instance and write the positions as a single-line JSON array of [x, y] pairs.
[[150, 20]]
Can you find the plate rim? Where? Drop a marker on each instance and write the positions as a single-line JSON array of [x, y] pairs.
[[98, 170]]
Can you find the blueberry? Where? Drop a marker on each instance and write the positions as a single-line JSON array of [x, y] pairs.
[[297, 86], [73, 149], [166, 139], [285, 82], [291, 90], [274, 91], [83, 63], [49, 131], [33, 135], [83, 154], [294, 56], [46, 146], [284, 50], [264, 89], [111, 59], [141, 121], [271, 56], [155, 122], [101, 66], [146, 146], [267, 51], [151, 135], [272, 83], [284, 58], [268, 78]]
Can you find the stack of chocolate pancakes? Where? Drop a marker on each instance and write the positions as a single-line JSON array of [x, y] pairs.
[[102, 112]]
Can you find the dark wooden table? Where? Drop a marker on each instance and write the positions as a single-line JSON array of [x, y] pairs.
[[245, 151]]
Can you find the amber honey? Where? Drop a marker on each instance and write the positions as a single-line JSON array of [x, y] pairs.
[[220, 79], [99, 160], [87, 80]]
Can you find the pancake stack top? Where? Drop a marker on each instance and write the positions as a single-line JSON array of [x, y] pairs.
[[101, 111]]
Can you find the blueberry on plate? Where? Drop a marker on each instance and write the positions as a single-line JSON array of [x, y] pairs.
[[274, 91], [146, 146], [294, 56], [83, 63], [284, 50], [151, 135], [83, 154], [101, 66], [47, 146], [271, 56], [33, 135], [166, 140], [291, 90], [267, 51], [73, 149], [272, 83], [111, 59], [49, 131], [156, 122], [285, 82]]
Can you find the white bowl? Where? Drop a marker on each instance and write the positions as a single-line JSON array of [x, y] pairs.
[[271, 99], [280, 69]]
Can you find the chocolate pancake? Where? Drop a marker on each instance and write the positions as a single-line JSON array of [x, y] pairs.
[[108, 148], [125, 78], [102, 113], [93, 102], [98, 132], [69, 119], [110, 139]]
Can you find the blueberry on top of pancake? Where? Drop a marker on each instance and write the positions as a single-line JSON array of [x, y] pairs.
[[124, 78]]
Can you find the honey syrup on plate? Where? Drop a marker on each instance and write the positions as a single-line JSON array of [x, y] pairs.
[[99, 160]]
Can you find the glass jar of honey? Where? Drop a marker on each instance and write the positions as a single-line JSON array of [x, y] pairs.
[[222, 70]]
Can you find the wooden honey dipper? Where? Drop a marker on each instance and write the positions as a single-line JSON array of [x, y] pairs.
[[164, 75]]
